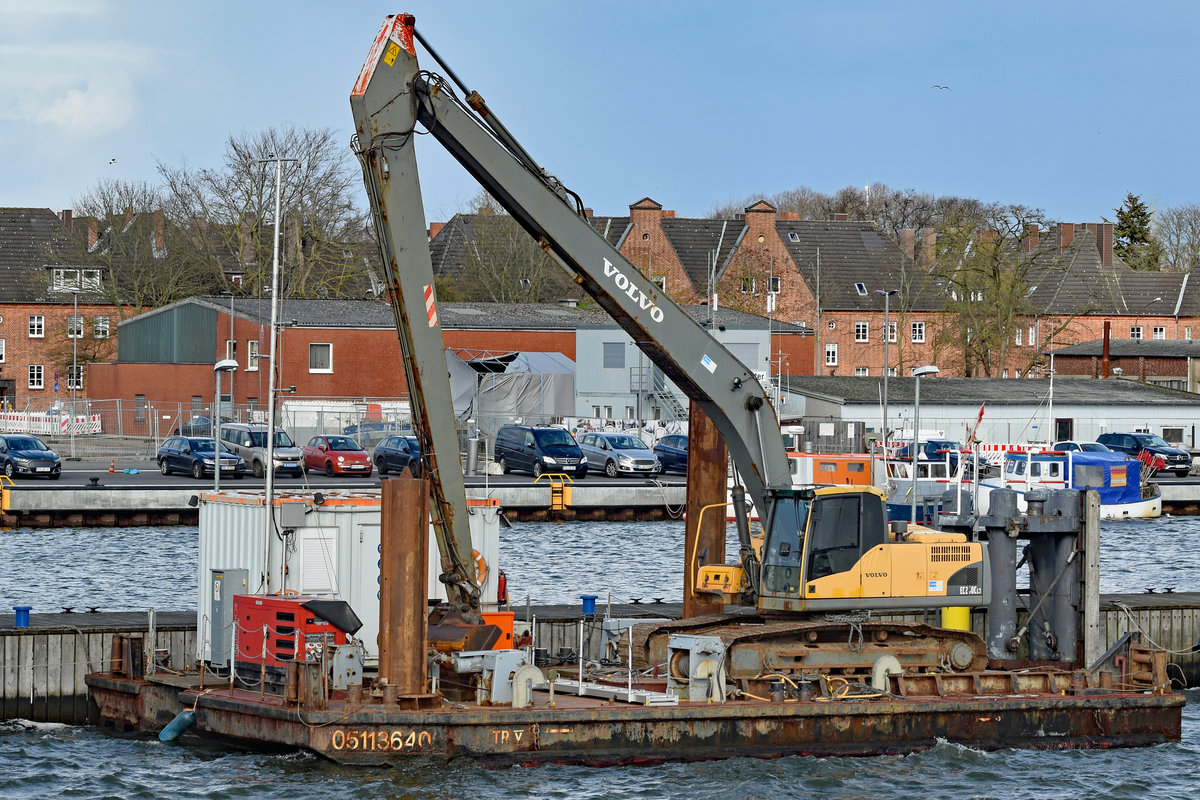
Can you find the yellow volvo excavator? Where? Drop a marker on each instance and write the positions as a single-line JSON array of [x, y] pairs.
[[823, 550]]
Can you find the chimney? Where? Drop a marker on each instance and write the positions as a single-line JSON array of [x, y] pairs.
[[668, 214], [128, 213], [93, 226], [1066, 235], [839, 216], [160, 242], [908, 243], [1104, 349], [1030, 242], [1103, 231], [588, 213], [929, 247], [435, 228], [65, 216], [791, 216]]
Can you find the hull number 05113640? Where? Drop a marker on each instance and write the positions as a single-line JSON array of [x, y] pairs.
[[380, 740]]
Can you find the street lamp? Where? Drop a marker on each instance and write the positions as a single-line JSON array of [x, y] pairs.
[[224, 365], [1137, 317], [76, 332], [917, 373], [887, 296]]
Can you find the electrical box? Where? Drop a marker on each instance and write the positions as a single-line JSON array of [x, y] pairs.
[[225, 584], [286, 630]]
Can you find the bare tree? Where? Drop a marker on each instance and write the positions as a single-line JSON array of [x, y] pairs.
[[502, 263], [986, 269], [230, 211], [1177, 230], [145, 261]]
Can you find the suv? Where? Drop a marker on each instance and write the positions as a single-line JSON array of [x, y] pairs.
[[538, 450], [1134, 444], [250, 442]]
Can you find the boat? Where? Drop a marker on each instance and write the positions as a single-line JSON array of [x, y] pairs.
[[814, 469], [1118, 479]]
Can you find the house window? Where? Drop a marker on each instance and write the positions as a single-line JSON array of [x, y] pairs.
[[197, 405], [1032, 336], [891, 328], [747, 285], [231, 348], [251, 403], [862, 331], [660, 281], [862, 372], [608, 412], [100, 327], [320, 357], [37, 377], [74, 327], [1018, 340], [251, 355], [918, 331], [893, 371], [613, 355], [1, 351], [1187, 332], [37, 326], [1135, 332], [831, 354], [1004, 374], [775, 283], [861, 288], [1160, 332], [630, 412], [75, 376], [596, 412], [139, 408]]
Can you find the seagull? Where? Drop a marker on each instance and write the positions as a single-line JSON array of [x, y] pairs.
[[112, 161], [939, 86]]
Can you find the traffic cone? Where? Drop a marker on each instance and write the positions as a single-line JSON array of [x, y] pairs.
[[112, 467]]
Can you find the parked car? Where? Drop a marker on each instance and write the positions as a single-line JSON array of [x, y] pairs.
[[195, 456], [250, 442], [672, 452], [619, 454], [397, 453], [335, 455], [28, 455], [538, 450], [197, 426], [1177, 460], [1087, 447]]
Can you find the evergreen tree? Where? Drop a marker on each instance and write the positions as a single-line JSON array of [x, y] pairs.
[[1133, 238]]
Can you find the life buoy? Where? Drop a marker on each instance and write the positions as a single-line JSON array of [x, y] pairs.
[[289, 593], [481, 567]]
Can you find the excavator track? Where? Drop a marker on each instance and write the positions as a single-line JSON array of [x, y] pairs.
[[757, 646]]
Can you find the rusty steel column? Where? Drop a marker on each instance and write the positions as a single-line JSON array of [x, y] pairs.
[[403, 584], [707, 464]]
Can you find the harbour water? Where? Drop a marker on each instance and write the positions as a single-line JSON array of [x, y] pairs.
[[135, 569]]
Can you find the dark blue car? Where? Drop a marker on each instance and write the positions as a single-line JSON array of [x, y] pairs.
[[672, 452], [194, 456], [28, 455], [396, 453]]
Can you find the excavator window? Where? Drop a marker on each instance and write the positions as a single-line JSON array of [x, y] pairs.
[[842, 528], [785, 546]]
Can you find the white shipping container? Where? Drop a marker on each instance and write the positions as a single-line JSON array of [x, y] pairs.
[[327, 550]]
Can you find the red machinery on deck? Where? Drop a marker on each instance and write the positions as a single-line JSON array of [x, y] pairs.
[[289, 629]]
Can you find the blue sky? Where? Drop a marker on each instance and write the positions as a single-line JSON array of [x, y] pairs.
[[1059, 106]]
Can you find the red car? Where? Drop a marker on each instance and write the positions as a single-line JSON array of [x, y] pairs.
[[336, 455]]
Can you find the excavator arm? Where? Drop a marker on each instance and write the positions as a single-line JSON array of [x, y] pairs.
[[392, 99]]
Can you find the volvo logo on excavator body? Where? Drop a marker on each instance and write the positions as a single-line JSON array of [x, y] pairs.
[[632, 291]]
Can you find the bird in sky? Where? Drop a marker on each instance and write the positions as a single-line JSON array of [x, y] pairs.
[[939, 86], [112, 161]]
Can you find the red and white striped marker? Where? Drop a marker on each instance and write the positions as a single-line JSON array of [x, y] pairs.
[[430, 307]]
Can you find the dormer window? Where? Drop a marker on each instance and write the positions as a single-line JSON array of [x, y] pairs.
[[67, 279]]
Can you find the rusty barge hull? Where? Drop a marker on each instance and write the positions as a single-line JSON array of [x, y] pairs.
[[597, 734]]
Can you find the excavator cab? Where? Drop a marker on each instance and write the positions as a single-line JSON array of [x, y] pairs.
[[829, 549]]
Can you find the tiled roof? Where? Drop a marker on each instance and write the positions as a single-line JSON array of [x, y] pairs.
[[992, 391], [30, 240], [855, 253], [1133, 348], [697, 242]]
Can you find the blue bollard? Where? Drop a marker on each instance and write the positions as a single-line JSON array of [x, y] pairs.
[[589, 604], [21, 619]]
